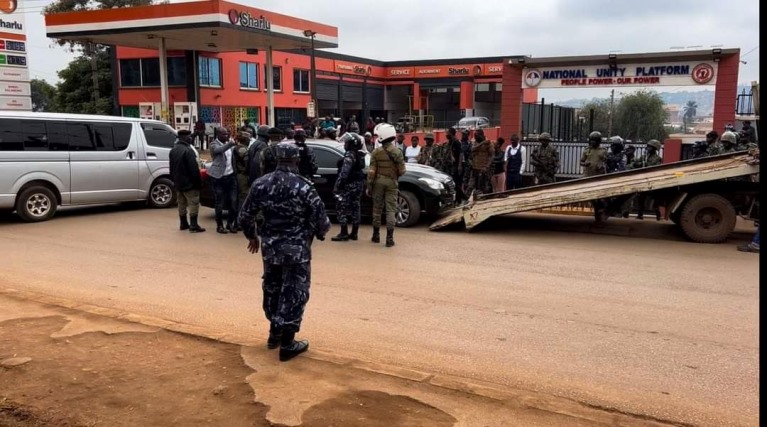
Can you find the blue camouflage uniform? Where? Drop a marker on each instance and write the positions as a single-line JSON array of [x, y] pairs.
[[285, 211], [349, 186]]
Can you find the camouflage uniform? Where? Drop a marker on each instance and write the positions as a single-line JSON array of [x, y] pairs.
[[647, 160], [545, 161], [284, 209], [269, 158], [482, 155], [593, 161], [349, 186], [427, 151], [441, 158], [387, 164], [615, 162], [650, 158]]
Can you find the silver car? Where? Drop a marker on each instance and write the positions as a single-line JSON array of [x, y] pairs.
[[49, 160]]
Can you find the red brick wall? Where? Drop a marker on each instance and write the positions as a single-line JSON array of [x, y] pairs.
[[511, 101], [726, 92]]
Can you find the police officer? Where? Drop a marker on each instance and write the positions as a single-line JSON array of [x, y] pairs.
[[387, 164], [254, 153], [185, 172], [349, 186], [269, 154], [284, 209], [545, 161], [307, 162], [615, 160]]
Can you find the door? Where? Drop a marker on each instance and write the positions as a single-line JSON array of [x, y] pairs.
[[327, 173], [103, 162], [157, 139]]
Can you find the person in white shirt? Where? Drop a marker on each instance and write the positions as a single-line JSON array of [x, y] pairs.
[[516, 159], [412, 152]]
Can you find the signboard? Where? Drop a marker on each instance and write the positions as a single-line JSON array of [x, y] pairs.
[[401, 72], [15, 89], [667, 74], [247, 20], [14, 76], [23, 103], [310, 109], [464, 70]]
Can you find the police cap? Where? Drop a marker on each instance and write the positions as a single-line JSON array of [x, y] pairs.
[[287, 151]]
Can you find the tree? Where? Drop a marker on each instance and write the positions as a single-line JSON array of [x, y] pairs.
[[690, 111], [43, 95], [601, 109], [75, 90], [640, 116]]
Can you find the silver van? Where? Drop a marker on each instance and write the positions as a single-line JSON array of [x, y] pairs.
[[49, 160]]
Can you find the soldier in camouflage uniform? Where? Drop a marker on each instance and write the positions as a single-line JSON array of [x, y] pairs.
[[593, 163], [615, 160], [466, 161], [727, 144], [284, 209], [703, 148], [241, 159], [545, 161], [482, 152], [650, 158], [387, 164], [269, 154], [425, 156], [349, 186]]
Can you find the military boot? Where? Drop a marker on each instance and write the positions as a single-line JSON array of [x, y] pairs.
[[376, 235], [343, 236], [184, 224], [290, 348], [275, 338], [389, 237], [194, 227], [355, 230]]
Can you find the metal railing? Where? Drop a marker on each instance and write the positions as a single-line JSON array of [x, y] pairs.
[[570, 156], [744, 105]]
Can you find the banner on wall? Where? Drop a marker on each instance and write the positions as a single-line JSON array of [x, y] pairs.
[[668, 74]]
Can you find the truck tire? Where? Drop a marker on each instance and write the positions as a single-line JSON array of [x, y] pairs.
[[162, 194], [408, 209], [707, 218], [36, 203]]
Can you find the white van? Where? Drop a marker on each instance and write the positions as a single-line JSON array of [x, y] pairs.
[[49, 160]]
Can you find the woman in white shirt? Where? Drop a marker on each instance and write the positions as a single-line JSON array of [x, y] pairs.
[[412, 152]]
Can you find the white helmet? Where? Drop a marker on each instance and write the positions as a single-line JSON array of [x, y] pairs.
[[385, 132]]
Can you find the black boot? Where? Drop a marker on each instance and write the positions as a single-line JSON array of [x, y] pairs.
[[231, 228], [184, 224], [389, 237], [376, 235], [343, 236], [275, 338], [194, 227], [290, 348], [355, 230], [220, 229]]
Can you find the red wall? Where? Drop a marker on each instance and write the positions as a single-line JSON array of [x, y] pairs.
[[726, 91]]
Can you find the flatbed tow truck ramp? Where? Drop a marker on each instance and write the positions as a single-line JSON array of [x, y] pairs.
[[702, 196]]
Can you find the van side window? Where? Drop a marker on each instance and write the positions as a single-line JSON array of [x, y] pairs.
[[10, 135], [102, 136], [158, 135], [80, 137], [122, 133], [34, 134], [57, 136]]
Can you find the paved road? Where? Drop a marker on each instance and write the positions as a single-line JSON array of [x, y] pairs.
[[631, 317]]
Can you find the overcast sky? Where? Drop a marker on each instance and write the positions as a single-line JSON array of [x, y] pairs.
[[431, 29]]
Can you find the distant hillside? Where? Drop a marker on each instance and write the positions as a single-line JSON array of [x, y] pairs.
[[704, 99]]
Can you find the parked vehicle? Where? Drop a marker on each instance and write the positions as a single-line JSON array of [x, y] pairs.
[[405, 124], [423, 189], [49, 160], [472, 123]]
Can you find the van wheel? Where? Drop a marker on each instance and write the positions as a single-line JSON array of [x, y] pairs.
[[162, 194], [408, 209], [36, 204], [707, 218]]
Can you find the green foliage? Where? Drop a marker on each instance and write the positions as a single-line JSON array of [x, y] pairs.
[[691, 109], [601, 109], [75, 90], [640, 116], [43, 95]]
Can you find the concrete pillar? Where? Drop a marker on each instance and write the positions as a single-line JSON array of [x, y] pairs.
[[164, 109]]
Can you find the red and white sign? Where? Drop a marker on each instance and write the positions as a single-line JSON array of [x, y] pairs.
[[9, 74], [23, 103], [653, 74], [15, 89]]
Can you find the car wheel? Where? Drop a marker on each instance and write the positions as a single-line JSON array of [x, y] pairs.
[[36, 204], [408, 209], [162, 194]]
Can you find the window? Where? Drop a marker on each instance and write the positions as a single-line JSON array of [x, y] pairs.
[[482, 87], [210, 71], [248, 75], [57, 136], [10, 135], [158, 135], [146, 72], [34, 136], [326, 159], [80, 137], [122, 133], [130, 72], [277, 78], [300, 80]]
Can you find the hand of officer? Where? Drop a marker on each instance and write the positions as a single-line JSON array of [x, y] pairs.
[[253, 245]]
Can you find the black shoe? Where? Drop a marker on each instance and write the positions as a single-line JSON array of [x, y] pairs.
[[389, 238], [343, 236], [184, 224], [275, 338], [376, 235], [232, 229], [355, 230], [221, 230], [290, 348], [194, 227]]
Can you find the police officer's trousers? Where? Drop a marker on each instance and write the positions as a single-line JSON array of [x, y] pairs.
[[349, 205], [286, 291], [385, 192]]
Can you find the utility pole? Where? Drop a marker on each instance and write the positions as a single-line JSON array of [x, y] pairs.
[[610, 116]]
